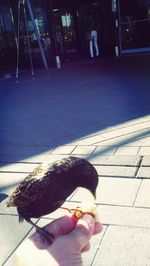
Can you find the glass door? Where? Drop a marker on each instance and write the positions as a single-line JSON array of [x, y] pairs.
[[88, 20], [134, 26], [7, 36], [66, 33]]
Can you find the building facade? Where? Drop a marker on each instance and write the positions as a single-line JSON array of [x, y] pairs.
[[63, 27]]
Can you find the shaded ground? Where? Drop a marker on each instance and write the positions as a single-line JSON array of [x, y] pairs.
[[80, 99]]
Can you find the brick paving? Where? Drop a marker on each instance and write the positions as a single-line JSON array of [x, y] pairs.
[[48, 122]]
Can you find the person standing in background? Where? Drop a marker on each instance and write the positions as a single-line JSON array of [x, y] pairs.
[[93, 44], [92, 35]]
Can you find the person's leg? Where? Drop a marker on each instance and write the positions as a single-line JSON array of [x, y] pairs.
[[95, 43], [91, 48]]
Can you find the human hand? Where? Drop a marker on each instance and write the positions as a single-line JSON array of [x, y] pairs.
[[71, 239]]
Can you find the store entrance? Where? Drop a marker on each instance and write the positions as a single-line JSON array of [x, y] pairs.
[[72, 27], [134, 26], [65, 23]]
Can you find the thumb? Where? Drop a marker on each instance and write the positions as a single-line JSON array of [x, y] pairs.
[[83, 231]]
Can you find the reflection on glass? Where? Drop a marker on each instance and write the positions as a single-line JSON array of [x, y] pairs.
[[68, 28], [66, 20], [134, 24], [5, 19]]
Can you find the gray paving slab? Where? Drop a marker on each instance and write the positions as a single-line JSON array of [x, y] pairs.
[[39, 158], [83, 150], [145, 161], [127, 151], [144, 151], [12, 233], [112, 191], [143, 196], [18, 167], [122, 160], [91, 139], [46, 158], [104, 150], [125, 246], [11, 261], [10, 179], [142, 141], [66, 149], [4, 210], [144, 172], [145, 141], [124, 216], [116, 171]]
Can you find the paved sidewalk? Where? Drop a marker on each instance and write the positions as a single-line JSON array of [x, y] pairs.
[[99, 111]]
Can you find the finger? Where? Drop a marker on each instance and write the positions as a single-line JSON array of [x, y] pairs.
[[58, 227], [87, 222], [61, 225], [98, 228], [86, 248], [83, 231]]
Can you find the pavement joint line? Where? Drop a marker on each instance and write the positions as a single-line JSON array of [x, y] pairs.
[[19, 162], [122, 206], [138, 167], [137, 193], [8, 214], [74, 148], [122, 165], [143, 178], [110, 204], [117, 177], [138, 150], [15, 172], [123, 225], [99, 244], [93, 150], [117, 147]]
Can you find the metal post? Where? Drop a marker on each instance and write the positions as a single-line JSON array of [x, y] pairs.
[[17, 43], [28, 38], [37, 35], [13, 26]]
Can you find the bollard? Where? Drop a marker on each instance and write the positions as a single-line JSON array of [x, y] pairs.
[[116, 51], [58, 63]]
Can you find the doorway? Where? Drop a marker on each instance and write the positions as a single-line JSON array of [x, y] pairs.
[[72, 25], [65, 22]]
